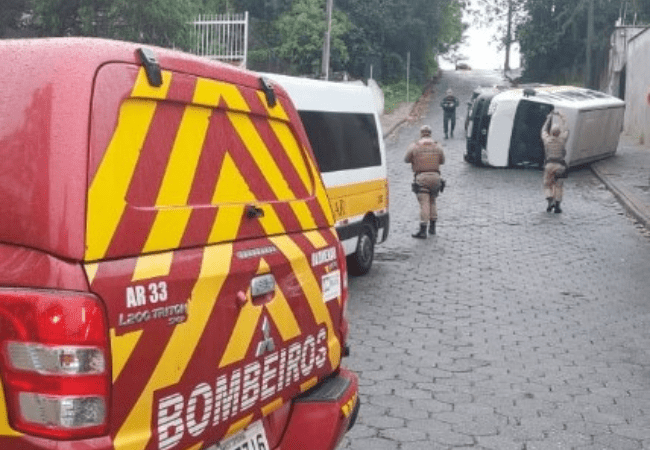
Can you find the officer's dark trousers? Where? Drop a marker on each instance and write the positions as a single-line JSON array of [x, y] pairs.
[[446, 119]]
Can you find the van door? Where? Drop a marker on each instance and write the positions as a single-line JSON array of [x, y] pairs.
[[526, 146], [209, 239]]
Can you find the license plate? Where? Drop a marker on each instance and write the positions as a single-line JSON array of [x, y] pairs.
[[252, 438]]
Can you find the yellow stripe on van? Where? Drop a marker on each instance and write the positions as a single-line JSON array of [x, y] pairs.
[[239, 425], [169, 225], [210, 92], [359, 198], [283, 317], [121, 349], [316, 239], [262, 156], [242, 334], [153, 266], [321, 195], [5, 429], [292, 150], [276, 112], [135, 433], [312, 289], [107, 192]]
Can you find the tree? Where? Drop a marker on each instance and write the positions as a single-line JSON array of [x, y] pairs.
[[10, 14], [554, 40], [302, 29], [506, 16]]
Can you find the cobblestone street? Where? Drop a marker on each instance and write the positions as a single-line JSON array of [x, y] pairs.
[[512, 328]]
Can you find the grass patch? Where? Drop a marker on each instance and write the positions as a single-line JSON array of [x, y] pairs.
[[395, 94]]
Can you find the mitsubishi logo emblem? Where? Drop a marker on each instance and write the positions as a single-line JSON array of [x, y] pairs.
[[267, 344]]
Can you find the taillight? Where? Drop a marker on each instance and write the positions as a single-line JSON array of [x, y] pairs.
[[55, 362]]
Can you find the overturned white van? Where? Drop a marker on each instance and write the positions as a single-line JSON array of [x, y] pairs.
[[504, 127]]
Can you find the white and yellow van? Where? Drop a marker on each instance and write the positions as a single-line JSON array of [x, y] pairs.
[[342, 124]]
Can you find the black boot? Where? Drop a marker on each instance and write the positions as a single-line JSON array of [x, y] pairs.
[[432, 227], [422, 234], [551, 204], [558, 210]]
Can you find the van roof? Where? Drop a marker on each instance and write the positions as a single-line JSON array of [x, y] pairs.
[[318, 95], [564, 96]]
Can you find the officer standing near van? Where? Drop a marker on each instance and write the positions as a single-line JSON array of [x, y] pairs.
[[554, 136], [449, 105], [425, 156]]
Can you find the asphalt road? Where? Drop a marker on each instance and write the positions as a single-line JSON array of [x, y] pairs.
[[512, 328]]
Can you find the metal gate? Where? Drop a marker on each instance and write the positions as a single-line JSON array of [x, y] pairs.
[[223, 37]]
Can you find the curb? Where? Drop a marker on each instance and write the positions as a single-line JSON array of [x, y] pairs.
[[632, 204]]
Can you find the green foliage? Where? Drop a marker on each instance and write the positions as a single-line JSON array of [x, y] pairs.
[[554, 37], [395, 94], [302, 30], [10, 13]]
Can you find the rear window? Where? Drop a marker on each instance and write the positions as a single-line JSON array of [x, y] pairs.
[[342, 141], [214, 157]]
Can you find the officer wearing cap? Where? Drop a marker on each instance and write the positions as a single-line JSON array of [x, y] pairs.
[[425, 156]]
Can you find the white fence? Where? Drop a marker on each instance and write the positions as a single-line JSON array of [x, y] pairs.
[[221, 36]]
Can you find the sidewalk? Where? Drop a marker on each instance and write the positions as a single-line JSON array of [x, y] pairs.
[[627, 175]]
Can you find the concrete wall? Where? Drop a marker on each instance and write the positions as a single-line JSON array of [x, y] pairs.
[[637, 86]]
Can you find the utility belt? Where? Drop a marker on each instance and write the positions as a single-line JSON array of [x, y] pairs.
[[564, 173], [419, 189]]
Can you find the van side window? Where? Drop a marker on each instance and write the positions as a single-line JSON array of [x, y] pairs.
[[342, 140]]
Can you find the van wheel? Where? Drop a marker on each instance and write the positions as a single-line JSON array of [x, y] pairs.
[[360, 261]]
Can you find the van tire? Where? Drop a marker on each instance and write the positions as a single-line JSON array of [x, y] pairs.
[[360, 262]]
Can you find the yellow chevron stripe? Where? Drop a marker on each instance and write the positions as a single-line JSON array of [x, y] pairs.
[[273, 406], [121, 349], [209, 92], [293, 151], [242, 333], [260, 153], [316, 239], [231, 185], [239, 425], [321, 195], [303, 213], [153, 266], [277, 112], [283, 317], [169, 225], [198, 446], [5, 429], [91, 272], [312, 288], [136, 430], [107, 192], [308, 384]]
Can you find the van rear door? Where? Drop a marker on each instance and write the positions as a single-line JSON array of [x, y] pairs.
[[209, 238]]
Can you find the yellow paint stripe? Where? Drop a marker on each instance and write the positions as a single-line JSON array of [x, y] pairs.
[[277, 112], [209, 92], [321, 194], [231, 185], [312, 288], [121, 349], [307, 385], [91, 272], [136, 430], [283, 317], [273, 406], [169, 225], [260, 153], [316, 239], [198, 446], [107, 193], [5, 429], [303, 213], [226, 224], [353, 189], [242, 334], [239, 425], [153, 266], [271, 222], [142, 88], [294, 152]]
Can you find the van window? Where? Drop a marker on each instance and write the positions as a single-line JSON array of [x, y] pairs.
[[214, 157], [342, 141]]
